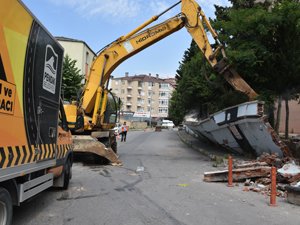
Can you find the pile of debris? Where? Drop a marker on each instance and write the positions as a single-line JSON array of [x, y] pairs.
[[256, 175]]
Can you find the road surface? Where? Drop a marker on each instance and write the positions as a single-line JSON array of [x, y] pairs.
[[160, 183]]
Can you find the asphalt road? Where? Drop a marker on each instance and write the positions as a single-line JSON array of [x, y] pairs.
[[159, 183]]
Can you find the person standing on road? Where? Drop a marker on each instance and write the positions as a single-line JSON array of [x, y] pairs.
[[124, 130]]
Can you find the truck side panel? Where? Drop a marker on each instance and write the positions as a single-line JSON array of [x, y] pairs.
[[30, 83]]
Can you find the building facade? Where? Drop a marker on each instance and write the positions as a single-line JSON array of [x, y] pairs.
[[145, 95], [78, 50]]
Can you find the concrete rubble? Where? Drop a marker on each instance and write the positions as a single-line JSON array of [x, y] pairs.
[[256, 176]]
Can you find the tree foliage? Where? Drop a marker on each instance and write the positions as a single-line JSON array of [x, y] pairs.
[[262, 42], [199, 88], [72, 79]]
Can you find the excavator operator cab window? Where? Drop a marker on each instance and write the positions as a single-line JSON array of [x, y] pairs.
[[110, 116]]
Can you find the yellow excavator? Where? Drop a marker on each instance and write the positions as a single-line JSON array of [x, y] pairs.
[[91, 119]]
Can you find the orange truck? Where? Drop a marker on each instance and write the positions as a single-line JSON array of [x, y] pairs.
[[35, 141]]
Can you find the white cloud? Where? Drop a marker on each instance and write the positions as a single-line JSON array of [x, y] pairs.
[[159, 6], [122, 9], [104, 8]]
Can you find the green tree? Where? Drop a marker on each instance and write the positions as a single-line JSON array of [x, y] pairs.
[[263, 42], [72, 79], [199, 88]]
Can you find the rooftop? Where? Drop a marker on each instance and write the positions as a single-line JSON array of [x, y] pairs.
[[148, 78], [66, 39]]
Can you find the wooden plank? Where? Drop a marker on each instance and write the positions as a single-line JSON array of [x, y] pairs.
[[250, 164], [238, 174]]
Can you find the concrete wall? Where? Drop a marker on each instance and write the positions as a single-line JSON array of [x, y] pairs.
[[294, 121], [80, 52], [138, 125]]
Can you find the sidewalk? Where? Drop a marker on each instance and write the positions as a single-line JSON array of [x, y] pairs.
[[214, 152]]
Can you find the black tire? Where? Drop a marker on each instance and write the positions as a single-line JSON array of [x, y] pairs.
[[67, 174], [6, 208]]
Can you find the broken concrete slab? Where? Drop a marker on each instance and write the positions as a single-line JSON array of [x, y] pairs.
[[289, 170], [237, 174], [293, 194]]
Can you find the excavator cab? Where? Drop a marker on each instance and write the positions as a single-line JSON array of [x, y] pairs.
[[111, 112]]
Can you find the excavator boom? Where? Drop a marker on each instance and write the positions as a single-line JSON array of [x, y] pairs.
[[192, 18], [94, 98]]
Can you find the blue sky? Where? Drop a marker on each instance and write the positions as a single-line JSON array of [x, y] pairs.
[[99, 22]]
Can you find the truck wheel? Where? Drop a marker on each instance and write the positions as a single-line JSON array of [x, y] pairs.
[[67, 174], [6, 209]]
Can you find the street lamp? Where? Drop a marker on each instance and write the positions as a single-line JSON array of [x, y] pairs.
[[150, 108]]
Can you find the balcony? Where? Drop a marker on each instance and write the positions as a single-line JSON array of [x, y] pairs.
[[129, 96], [140, 88], [129, 87], [128, 104]]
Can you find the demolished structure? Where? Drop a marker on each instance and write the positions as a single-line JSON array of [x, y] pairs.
[[256, 175], [242, 129]]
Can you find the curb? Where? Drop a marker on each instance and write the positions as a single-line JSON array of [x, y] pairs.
[[212, 156], [189, 143]]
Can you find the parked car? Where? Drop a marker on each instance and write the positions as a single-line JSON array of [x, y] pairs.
[[167, 124]]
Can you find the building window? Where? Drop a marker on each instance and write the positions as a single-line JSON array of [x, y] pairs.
[[164, 102], [164, 85], [163, 94], [141, 93], [162, 110], [140, 101], [123, 82], [86, 65], [86, 71], [122, 91]]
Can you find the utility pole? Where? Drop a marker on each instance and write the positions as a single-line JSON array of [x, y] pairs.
[[150, 108]]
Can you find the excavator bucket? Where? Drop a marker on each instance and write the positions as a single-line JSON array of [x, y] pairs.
[[88, 144]]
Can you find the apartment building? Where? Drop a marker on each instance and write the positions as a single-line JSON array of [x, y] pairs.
[[145, 95], [78, 50]]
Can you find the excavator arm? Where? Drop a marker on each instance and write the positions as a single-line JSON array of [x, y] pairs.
[[89, 119], [192, 18], [195, 20]]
